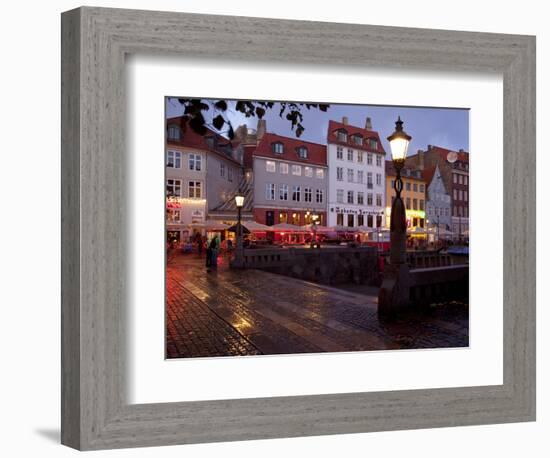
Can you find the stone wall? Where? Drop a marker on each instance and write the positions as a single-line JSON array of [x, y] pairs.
[[331, 266]]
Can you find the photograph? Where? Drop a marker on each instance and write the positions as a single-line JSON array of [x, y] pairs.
[[305, 227]]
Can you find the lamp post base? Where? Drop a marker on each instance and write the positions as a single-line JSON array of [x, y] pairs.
[[394, 294]]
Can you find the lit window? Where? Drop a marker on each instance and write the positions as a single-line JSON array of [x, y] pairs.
[[283, 167], [173, 159], [173, 188], [269, 166], [195, 162], [173, 216], [297, 170], [195, 189], [320, 173], [308, 171]]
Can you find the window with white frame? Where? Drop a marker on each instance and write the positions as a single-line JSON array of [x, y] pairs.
[[297, 170], [283, 192], [308, 171], [378, 161], [459, 179], [369, 180], [340, 196], [373, 143], [369, 199], [350, 175], [350, 197], [307, 195], [174, 132], [270, 166], [277, 148], [173, 159], [369, 158], [421, 186], [173, 216], [360, 157], [415, 187], [357, 139], [195, 189], [296, 193], [320, 173], [339, 152], [283, 167], [173, 187], [222, 169], [378, 200], [378, 179], [195, 162], [270, 191], [360, 176], [302, 152], [360, 198], [319, 196], [350, 155], [342, 135], [340, 173]]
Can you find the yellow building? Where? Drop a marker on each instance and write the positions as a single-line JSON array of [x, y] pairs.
[[413, 195]]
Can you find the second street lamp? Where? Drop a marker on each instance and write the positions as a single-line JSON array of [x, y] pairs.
[[239, 255], [394, 292]]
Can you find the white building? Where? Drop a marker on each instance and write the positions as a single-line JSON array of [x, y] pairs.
[[356, 180]]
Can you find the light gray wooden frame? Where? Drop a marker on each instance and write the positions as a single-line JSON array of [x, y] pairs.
[[95, 413]]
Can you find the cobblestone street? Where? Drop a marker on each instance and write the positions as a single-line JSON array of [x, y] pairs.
[[250, 312]]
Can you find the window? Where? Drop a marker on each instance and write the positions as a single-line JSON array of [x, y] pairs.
[[421, 188], [360, 220], [340, 196], [339, 152], [296, 193], [174, 132], [222, 169], [270, 191], [173, 216], [350, 175], [340, 173], [270, 166], [229, 174], [350, 197], [173, 159], [415, 204], [308, 171], [277, 148], [270, 218], [459, 179], [466, 196], [339, 219], [307, 194], [296, 170], [392, 184], [319, 196], [360, 157], [378, 200], [283, 192], [283, 217], [357, 139], [350, 220], [320, 173], [455, 195], [373, 143], [408, 186], [369, 158], [369, 220], [302, 152], [454, 178], [408, 203], [283, 167], [421, 204], [195, 162], [379, 161], [415, 187], [296, 219], [369, 199], [360, 176], [379, 179], [369, 180], [350, 155], [342, 135], [466, 180], [173, 188], [195, 189], [360, 199], [378, 220]]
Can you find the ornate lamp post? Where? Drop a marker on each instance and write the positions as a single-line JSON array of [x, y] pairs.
[[315, 220], [239, 254], [394, 292]]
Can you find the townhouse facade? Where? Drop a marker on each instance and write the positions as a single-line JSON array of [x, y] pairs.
[[438, 200], [356, 175], [290, 180]]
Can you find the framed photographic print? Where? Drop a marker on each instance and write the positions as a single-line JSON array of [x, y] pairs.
[[269, 233]]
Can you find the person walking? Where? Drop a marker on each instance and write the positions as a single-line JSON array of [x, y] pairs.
[[214, 248], [208, 255], [199, 243]]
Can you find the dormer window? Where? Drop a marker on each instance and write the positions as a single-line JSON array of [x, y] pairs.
[[342, 135], [277, 148], [373, 143], [174, 132], [302, 152], [357, 139]]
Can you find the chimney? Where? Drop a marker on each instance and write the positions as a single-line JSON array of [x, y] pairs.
[[430, 147], [345, 120], [460, 150], [420, 160], [261, 128], [368, 124]]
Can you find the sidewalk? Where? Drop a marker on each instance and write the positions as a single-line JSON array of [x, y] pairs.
[[250, 312]]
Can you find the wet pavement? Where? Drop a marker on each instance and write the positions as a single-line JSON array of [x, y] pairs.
[[229, 312]]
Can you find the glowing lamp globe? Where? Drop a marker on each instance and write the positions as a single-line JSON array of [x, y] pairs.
[[239, 200], [399, 142]]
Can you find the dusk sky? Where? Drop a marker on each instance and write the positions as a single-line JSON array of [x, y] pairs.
[[448, 128]]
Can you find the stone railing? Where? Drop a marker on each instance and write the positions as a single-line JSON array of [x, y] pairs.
[[433, 284]]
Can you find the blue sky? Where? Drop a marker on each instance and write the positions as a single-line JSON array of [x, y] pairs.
[[445, 127]]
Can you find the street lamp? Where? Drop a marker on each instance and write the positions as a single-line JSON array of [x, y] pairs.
[[239, 255], [394, 292], [315, 219]]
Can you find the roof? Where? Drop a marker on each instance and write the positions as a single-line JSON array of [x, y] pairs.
[[335, 126], [316, 153], [463, 156], [390, 172], [192, 139], [428, 174]]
